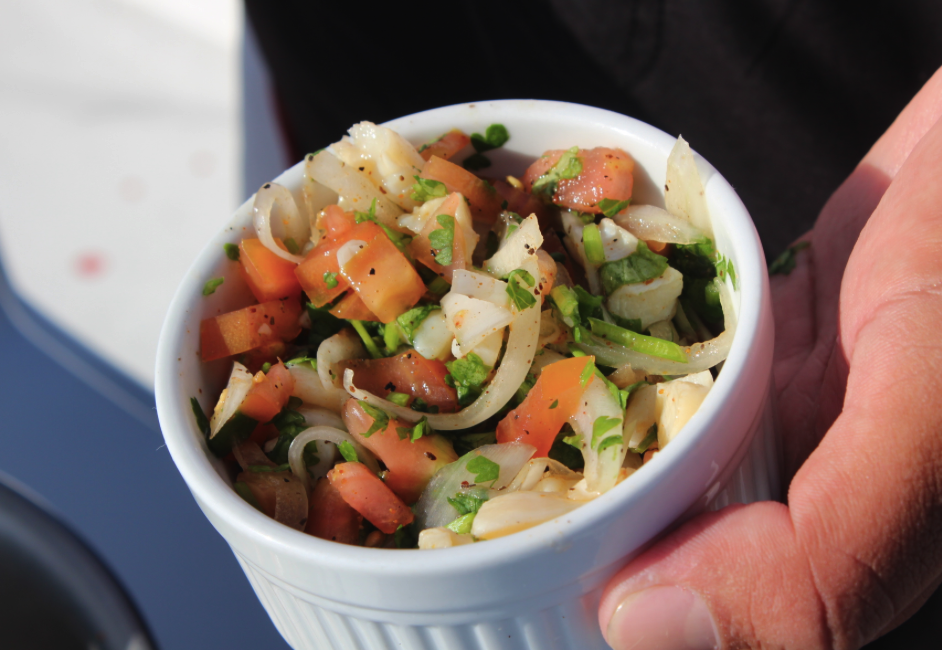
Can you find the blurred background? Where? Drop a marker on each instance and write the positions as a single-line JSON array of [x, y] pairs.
[[129, 132]]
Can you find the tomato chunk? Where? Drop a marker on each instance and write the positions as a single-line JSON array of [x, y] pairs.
[[269, 276], [269, 393], [384, 279], [353, 308], [408, 373], [369, 496], [411, 465], [606, 174], [446, 146], [483, 198], [249, 328], [547, 407], [335, 222], [330, 517], [319, 273], [421, 246], [523, 203]]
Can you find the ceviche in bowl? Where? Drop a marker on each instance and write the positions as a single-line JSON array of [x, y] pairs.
[[537, 325]]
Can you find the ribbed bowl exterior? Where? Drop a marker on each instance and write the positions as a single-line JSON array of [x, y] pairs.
[[308, 622]]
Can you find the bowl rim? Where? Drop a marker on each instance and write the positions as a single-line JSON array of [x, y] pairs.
[[211, 491]]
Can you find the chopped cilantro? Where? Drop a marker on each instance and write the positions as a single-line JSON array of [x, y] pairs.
[[521, 298], [574, 440], [406, 536], [586, 218], [425, 189], [289, 424], [568, 166], [466, 503], [587, 373], [724, 267], [567, 450], [323, 324], [420, 405], [330, 279], [420, 429], [266, 367], [380, 418], [243, 490], [210, 287], [600, 427], [476, 162], [554, 404], [232, 251], [443, 239], [367, 339], [484, 469], [201, 420], [348, 452], [391, 337], [495, 136], [400, 240], [399, 399], [566, 303], [439, 286], [471, 441], [608, 442], [649, 439], [410, 321], [640, 266], [466, 376], [292, 246], [611, 207], [785, 263], [302, 361], [592, 242], [461, 525]]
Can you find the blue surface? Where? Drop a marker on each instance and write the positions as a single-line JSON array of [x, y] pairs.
[[100, 461]]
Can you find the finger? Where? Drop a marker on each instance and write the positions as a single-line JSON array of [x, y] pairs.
[[806, 301], [861, 540]]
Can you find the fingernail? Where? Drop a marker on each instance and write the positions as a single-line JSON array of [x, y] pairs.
[[662, 618]]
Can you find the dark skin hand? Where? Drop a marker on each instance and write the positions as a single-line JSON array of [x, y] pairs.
[[858, 372]]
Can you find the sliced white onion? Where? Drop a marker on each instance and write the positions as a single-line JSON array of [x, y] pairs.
[[309, 388], [481, 286], [432, 509], [314, 417], [521, 245], [521, 347], [684, 196], [651, 223], [343, 345], [511, 513], [534, 471], [330, 434], [472, 320], [432, 337], [240, 383], [291, 505], [616, 241], [249, 454], [543, 359], [601, 467], [354, 187], [294, 226]]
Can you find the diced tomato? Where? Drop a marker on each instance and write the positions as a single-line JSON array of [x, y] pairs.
[[384, 279], [411, 465], [523, 203], [483, 198], [351, 307], [263, 433], [408, 373], [550, 403], [446, 146], [249, 328], [253, 360], [369, 496], [330, 517], [335, 222], [320, 269], [269, 393], [269, 276], [606, 174], [421, 246]]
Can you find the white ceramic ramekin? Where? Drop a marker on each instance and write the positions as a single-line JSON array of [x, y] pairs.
[[535, 589]]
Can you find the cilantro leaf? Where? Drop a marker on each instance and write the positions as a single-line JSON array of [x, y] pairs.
[[484, 469], [574, 440], [567, 449], [471, 441], [600, 427], [785, 263], [649, 439], [611, 207], [476, 162], [425, 189], [521, 298], [292, 246], [466, 376], [210, 287], [420, 405], [495, 136], [330, 279], [399, 399], [348, 452], [380, 418], [640, 266], [443, 239], [554, 405], [724, 267], [568, 166], [587, 373], [566, 303], [420, 429], [232, 251], [302, 361], [400, 240], [201, 420], [466, 503], [289, 424], [608, 442], [410, 321], [367, 339], [323, 324], [462, 525]]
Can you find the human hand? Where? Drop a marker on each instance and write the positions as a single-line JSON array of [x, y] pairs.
[[858, 372]]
